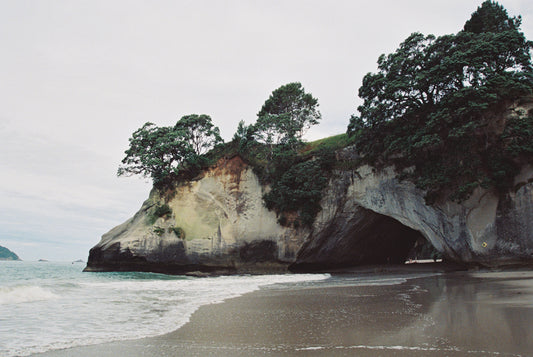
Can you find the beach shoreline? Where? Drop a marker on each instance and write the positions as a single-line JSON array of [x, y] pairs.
[[434, 313]]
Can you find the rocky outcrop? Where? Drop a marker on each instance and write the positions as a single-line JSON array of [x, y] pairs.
[[218, 223], [368, 211]]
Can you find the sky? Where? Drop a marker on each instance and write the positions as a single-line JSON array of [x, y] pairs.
[[78, 77]]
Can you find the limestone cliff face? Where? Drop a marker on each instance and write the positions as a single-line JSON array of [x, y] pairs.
[[218, 223], [225, 224], [371, 214]]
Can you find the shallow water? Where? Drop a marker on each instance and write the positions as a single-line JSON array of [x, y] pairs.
[[46, 306], [402, 313]]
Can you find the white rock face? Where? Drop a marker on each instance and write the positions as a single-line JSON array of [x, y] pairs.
[[367, 215], [220, 213], [485, 229]]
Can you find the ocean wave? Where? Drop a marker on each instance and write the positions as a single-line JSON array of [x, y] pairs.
[[160, 306], [21, 294]]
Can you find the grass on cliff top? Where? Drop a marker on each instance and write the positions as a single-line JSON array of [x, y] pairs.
[[255, 152], [333, 143]]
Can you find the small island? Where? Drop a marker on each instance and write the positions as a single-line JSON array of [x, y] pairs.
[[6, 254]]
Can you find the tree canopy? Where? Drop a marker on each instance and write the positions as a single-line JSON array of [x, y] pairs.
[[426, 106], [286, 115], [491, 17], [199, 132], [162, 152], [427, 72]]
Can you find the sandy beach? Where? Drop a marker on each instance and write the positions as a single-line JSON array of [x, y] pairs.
[[479, 313]]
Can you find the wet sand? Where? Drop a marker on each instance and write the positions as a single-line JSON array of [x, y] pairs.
[[451, 314]]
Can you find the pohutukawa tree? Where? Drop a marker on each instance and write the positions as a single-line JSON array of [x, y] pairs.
[[199, 131], [286, 115], [162, 152], [492, 17], [427, 103]]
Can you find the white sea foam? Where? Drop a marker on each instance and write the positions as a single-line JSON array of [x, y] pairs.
[[398, 348], [20, 294], [96, 308], [54, 306], [312, 348]]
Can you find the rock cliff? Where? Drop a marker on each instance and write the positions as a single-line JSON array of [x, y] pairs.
[[218, 223], [370, 216]]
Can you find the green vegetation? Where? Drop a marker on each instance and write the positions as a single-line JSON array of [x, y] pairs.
[[163, 153], [332, 143], [159, 231], [162, 210], [433, 102], [296, 183], [286, 116], [434, 110], [298, 190], [178, 231], [199, 133], [157, 212]]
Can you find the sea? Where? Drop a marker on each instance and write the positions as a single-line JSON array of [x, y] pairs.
[[46, 306]]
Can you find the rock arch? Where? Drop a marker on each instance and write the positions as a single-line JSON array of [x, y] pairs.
[[373, 208], [363, 238]]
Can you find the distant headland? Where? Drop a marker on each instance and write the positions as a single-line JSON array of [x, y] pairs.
[[6, 254]]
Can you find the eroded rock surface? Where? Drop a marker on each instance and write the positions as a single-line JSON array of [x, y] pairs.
[[219, 224], [486, 229], [226, 229]]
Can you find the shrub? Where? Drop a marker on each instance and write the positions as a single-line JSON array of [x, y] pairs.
[[159, 211], [178, 231], [159, 231], [162, 210], [299, 189]]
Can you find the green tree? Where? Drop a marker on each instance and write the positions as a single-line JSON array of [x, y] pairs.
[[162, 152], [286, 115], [155, 152], [243, 136], [200, 132], [427, 72], [491, 17], [427, 104], [402, 84]]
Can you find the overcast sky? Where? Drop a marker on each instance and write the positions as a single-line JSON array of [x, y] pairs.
[[78, 77]]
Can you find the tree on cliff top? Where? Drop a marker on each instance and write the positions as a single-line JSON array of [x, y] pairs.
[[286, 115], [200, 132], [427, 72], [162, 152], [491, 17], [426, 106]]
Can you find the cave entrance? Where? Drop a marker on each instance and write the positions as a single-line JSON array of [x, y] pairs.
[[382, 240], [363, 238], [423, 252]]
